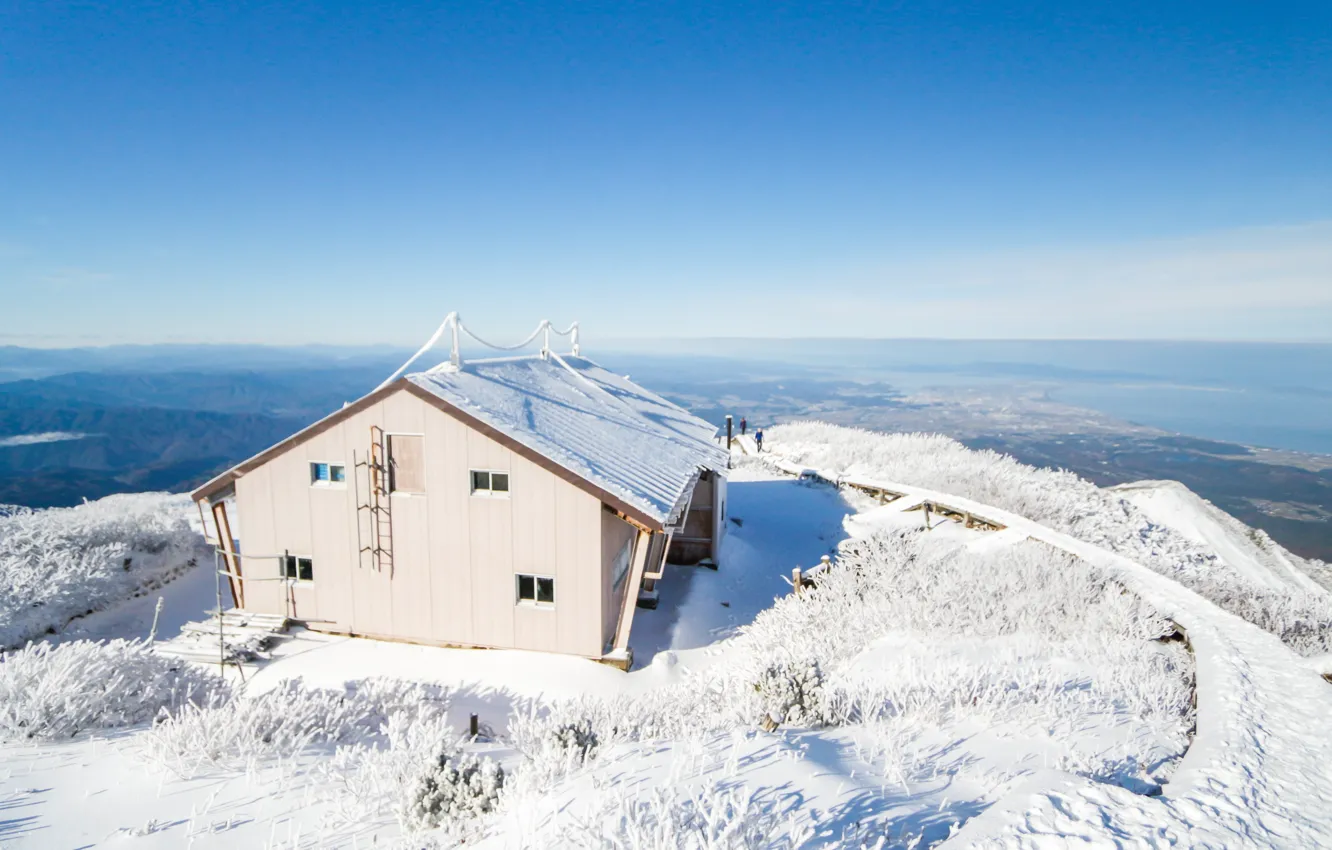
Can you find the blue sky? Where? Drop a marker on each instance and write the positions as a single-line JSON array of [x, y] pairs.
[[349, 174]]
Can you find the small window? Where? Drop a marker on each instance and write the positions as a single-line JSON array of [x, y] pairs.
[[328, 473], [487, 482], [621, 567], [538, 590], [297, 568]]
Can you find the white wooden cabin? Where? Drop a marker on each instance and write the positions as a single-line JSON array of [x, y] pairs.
[[520, 503]]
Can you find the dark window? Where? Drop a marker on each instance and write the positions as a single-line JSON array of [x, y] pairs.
[[337, 473], [299, 569], [318, 472], [488, 482], [538, 589]]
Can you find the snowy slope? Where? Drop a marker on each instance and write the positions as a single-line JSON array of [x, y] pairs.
[[1246, 550], [1062, 501], [965, 731], [984, 689], [1257, 774], [62, 563]]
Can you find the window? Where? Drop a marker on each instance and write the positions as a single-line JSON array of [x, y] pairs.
[[406, 454], [297, 568], [537, 590], [488, 482], [621, 567], [328, 473]]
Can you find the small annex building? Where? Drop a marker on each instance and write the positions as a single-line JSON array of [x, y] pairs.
[[520, 502]]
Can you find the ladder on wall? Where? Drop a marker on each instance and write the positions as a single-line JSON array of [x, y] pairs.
[[374, 514]]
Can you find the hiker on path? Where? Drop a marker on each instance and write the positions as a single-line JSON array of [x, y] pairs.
[[758, 438], [744, 423]]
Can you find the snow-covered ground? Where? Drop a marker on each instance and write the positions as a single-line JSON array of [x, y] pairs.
[[953, 685], [1248, 550], [1060, 500], [63, 563]]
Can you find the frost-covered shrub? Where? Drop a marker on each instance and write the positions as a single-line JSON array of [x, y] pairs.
[[905, 629], [557, 738], [718, 817], [792, 692], [460, 787], [1064, 502], [59, 691], [61, 563], [577, 738], [380, 774], [283, 722]]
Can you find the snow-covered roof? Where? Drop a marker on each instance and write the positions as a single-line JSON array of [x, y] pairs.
[[600, 426]]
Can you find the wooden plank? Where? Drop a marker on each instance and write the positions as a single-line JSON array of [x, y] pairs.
[[229, 554], [641, 546]]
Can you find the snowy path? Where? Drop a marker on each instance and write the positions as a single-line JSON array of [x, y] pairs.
[[1259, 772], [776, 524]]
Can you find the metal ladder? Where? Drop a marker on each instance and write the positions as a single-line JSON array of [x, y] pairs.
[[375, 512]]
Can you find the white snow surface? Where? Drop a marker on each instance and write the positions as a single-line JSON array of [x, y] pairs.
[[1248, 550], [598, 425], [1060, 500], [966, 751], [1259, 772]]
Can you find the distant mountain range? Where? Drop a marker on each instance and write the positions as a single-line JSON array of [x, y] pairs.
[[85, 423], [159, 417]]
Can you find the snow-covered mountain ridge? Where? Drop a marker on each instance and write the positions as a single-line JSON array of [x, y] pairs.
[[1250, 551], [1300, 612]]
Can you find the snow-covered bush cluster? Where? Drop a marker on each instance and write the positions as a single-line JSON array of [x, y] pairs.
[[719, 817], [387, 748], [459, 786], [60, 563], [793, 692], [906, 635], [1062, 501], [284, 722], [50, 692]]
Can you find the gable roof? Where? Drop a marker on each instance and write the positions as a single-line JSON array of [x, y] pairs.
[[626, 445], [600, 426]]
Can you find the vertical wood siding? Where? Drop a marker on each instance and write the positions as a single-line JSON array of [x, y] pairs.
[[455, 556]]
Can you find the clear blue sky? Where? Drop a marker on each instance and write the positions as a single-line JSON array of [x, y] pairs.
[[348, 174]]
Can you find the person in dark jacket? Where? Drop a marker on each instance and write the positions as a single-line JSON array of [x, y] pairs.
[[744, 423], [758, 438]]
